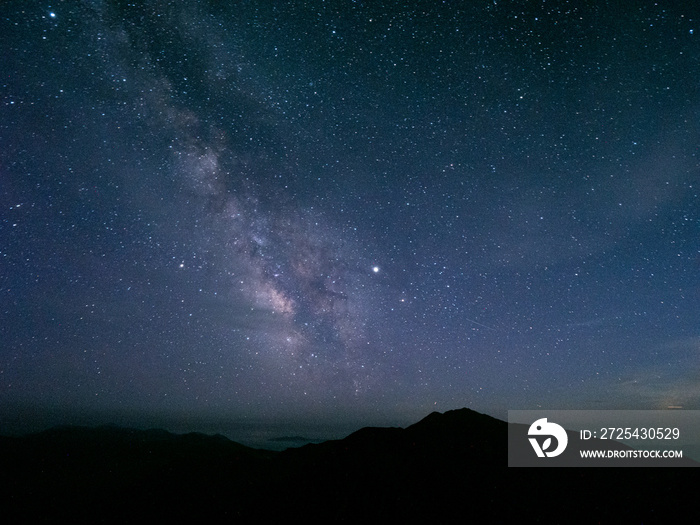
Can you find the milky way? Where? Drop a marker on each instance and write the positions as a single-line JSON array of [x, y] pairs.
[[301, 276]]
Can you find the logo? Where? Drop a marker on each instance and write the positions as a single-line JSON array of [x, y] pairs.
[[542, 428]]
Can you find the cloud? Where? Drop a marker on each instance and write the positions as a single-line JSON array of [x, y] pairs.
[[673, 380]]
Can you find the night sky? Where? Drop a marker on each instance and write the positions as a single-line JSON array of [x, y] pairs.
[[345, 212]]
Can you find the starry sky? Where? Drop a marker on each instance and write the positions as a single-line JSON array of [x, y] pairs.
[[346, 212]]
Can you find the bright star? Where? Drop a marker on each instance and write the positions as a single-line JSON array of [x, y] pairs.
[[375, 269]]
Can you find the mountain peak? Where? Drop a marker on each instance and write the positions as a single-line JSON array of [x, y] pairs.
[[461, 416]]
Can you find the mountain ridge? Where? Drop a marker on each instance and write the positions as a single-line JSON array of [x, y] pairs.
[[445, 465]]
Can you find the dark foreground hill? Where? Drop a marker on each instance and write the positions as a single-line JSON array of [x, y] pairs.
[[448, 467]]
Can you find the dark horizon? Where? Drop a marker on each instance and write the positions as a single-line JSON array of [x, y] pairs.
[[255, 432], [447, 467]]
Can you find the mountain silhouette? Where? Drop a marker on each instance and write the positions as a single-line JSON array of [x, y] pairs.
[[449, 467]]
